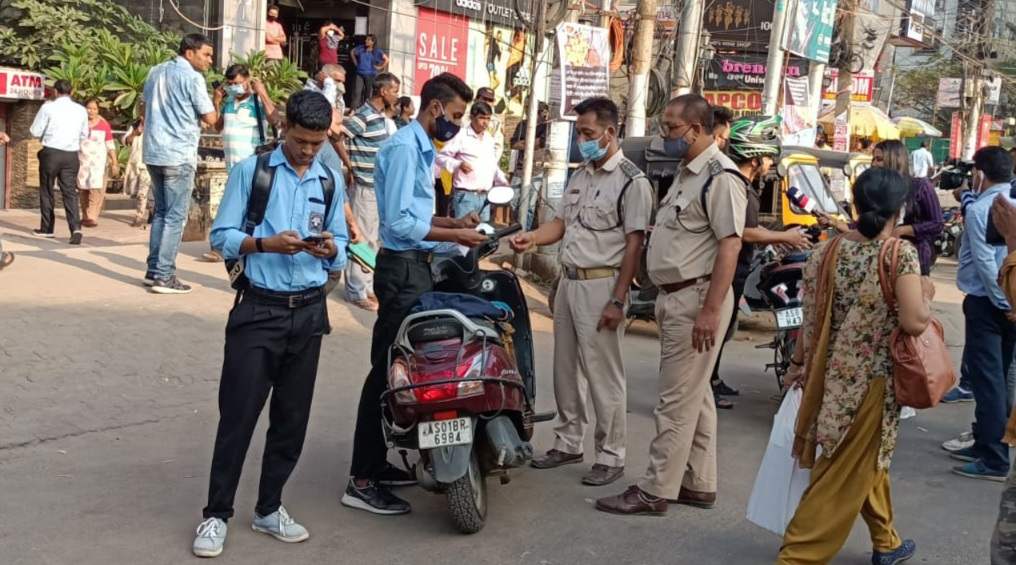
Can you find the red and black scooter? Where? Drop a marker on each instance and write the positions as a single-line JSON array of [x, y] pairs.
[[462, 383]]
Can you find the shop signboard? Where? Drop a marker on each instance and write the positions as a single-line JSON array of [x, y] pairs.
[[584, 55], [744, 101], [19, 84], [500, 12], [745, 72], [949, 92], [742, 25], [442, 44], [862, 88], [984, 131], [811, 29]]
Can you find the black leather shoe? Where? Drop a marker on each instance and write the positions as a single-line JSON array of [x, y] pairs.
[[555, 458], [374, 498]]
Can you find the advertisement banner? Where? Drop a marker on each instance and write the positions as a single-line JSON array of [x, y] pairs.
[[949, 92], [984, 131], [584, 55], [442, 42], [862, 89], [496, 11], [745, 102], [742, 25], [799, 119], [841, 132], [745, 72], [498, 60], [955, 136], [811, 29], [21, 85]]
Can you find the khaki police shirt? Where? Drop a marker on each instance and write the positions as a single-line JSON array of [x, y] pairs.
[[686, 236], [594, 234]]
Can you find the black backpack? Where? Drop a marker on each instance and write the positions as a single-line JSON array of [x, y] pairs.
[[261, 190]]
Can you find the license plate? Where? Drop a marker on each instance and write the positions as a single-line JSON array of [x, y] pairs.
[[442, 433], [789, 318]]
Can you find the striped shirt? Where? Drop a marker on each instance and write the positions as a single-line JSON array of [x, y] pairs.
[[240, 135], [367, 131]]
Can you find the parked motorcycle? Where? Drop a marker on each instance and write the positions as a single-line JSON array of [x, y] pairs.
[[462, 383], [948, 243]]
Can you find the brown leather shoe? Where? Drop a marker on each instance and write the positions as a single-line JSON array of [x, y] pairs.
[[555, 458], [633, 501], [602, 475], [695, 498]]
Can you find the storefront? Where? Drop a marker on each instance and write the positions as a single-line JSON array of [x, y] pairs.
[[20, 93]]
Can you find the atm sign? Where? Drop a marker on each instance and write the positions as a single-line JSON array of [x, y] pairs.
[[21, 85]]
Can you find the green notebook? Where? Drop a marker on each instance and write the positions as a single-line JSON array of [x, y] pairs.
[[362, 254]]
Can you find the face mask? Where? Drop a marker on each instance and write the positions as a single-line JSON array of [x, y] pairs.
[[446, 129], [591, 150], [341, 87], [675, 148], [236, 90]]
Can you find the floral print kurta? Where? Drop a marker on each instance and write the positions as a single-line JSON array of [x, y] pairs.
[[858, 342]]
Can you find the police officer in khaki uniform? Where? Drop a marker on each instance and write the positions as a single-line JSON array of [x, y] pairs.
[[692, 257], [601, 224]]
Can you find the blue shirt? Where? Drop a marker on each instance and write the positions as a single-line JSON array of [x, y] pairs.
[[980, 262], [367, 61], [175, 100], [293, 205], [404, 183]]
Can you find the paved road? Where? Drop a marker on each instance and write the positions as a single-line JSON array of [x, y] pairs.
[[108, 412]]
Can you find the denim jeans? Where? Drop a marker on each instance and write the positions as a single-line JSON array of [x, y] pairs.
[[466, 201], [171, 187], [988, 350]]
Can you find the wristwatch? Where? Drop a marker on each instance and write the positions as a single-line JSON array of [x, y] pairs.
[[257, 243], [618, 303]]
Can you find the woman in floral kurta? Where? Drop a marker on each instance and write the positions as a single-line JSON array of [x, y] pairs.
[[849, 410], [97, 150]]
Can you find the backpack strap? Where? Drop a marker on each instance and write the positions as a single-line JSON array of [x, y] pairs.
[[716, 169], [632, 171], [328, 188], [261, 190]]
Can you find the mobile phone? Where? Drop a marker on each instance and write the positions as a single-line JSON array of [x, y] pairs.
[[315, 239]]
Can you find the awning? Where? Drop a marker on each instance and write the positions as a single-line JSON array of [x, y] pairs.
[[913, 127], [866, 121]]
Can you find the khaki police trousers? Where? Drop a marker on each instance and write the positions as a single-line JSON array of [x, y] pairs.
[[683, 453], [588, 361]]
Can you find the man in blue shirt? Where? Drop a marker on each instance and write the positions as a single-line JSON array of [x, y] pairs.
[[990, 331], [273, 336], [369, 60], [404, 184], [176, 104]]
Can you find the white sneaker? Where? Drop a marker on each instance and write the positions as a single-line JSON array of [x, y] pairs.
[[965, 440], [211, 536], [280, 526]]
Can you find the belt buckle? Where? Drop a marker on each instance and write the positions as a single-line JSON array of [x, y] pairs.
[[571, 272], [295, 300]]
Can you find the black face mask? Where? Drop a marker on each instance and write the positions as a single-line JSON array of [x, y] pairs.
[[675, 148], [446, 129]]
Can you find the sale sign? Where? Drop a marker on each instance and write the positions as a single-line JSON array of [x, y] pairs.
[[21, 85], [442, 44]]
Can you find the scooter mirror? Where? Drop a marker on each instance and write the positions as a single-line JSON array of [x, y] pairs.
[[500, 195], [485, 229]]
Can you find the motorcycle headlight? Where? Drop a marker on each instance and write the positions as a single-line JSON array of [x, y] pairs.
[[398, 377]]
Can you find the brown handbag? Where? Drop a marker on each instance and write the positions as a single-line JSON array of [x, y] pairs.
[[922, 368]]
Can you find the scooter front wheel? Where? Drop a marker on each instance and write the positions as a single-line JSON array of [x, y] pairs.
[[467, 499]]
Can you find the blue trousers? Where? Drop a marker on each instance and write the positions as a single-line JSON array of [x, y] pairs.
[[466, 201], [172, 188], [987, 353]]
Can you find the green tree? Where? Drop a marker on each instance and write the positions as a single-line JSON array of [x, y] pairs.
[[917, 88]]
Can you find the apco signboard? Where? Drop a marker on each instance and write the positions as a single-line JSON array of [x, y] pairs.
[[21, 85], [745, 72], [743, 25], [495, 11], [442, 43], [743, 101]]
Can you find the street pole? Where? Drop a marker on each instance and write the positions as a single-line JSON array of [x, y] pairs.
[[816, 75], [774, 65], [642, 56], [687, 47], [982, 38], [845, 79], [532, 116]]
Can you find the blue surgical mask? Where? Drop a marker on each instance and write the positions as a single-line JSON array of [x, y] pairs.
[[675, 148], [591, 149], [236, 90], [446, 129]]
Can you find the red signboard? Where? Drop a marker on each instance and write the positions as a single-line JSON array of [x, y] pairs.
[[735, 100], [442, 43], [862, 88], [983, 131], [21, 85], [955, 136]]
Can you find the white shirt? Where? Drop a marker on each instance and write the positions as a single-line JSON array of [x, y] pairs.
[[61, 124], [477, 149], [921, 163]]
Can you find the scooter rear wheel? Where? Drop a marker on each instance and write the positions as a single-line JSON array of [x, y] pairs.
[[467, 499]]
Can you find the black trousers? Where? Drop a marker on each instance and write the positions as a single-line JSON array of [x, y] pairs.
[[58, 166], [398, 284], [269, 348], [987, 353]]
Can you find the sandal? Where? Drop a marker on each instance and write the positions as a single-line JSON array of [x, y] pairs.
[[6, 258]]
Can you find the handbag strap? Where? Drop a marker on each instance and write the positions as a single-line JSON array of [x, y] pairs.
[[887, 280]]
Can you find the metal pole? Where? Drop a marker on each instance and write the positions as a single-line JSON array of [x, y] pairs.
[[687, 47], [642, 56], [816, 74], [774, 65], [532, 117]]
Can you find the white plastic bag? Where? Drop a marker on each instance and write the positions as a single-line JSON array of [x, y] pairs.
[[780, 482]]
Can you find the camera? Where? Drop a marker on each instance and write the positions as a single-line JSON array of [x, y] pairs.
[[954, 173]]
